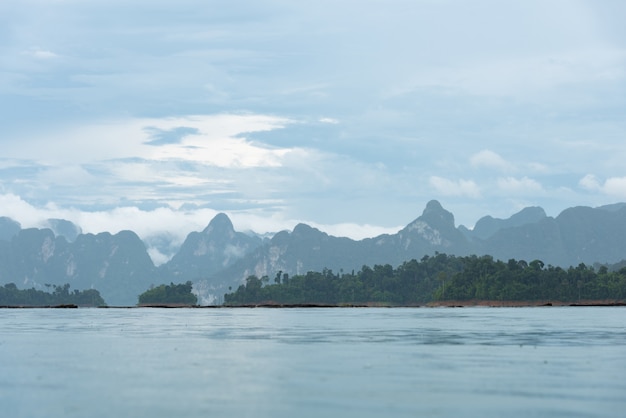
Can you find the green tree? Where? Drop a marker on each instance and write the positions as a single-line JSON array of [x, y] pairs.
[[175, 294], [10, 295]]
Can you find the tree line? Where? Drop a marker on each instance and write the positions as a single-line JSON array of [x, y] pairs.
[[437, 278], [172, 294], [10, 295]]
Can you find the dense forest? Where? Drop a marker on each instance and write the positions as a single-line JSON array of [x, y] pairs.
[[10, 295], [172, 294], [437, 278]]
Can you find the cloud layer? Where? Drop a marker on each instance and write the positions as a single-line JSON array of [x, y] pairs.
[[309, 112]]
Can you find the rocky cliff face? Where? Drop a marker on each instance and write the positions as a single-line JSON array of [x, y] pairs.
[[116, 265]]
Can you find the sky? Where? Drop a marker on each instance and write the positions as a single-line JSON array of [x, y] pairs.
[[347, 115]]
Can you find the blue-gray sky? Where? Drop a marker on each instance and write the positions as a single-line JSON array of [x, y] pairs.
[[348, 115]]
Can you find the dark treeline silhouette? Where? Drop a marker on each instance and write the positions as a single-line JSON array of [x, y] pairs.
[[10, 295], [437, 278], [175, 294]]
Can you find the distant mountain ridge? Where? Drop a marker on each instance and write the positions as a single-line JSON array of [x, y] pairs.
[[116, 265], [577, 235], [487, 226], [207, 252], [219, 258]]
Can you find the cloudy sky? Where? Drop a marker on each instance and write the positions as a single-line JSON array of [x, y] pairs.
[[349, 115]]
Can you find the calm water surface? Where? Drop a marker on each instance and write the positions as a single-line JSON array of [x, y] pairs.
[[518, 362]]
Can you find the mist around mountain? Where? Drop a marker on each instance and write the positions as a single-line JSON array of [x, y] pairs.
[[219, 258], [205, 253], [63, 228]]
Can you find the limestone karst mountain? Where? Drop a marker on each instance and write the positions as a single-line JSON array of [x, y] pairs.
[[116, 265], [219, 258], [204, 253]]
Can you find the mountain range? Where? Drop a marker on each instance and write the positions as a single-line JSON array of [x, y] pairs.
[[219, 258]]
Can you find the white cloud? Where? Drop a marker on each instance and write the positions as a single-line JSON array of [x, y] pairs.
[[175, 224], [528, 81], [226, 153], [590, 182], [612, 186], [489, 159], [157, 256], [461, 187], [615, 186], [40, 53], [355, 231], [218, 141], [21, 211], [523, 186]]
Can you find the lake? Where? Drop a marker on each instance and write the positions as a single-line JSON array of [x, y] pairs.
[[361, 362]]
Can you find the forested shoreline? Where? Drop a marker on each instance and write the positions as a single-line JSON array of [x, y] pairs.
[[437, 278], [433, 280], [11, 296], [172, 294]]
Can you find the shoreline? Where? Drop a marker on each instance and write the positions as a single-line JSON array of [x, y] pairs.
[[271, 305], [524, 304]]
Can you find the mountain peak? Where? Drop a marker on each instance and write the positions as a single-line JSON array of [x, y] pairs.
[[615, 207], [529, 215], [435, 215], [488, 225], [8, 228], [433, 205], [220, 224], [304, 230], [64, 228]]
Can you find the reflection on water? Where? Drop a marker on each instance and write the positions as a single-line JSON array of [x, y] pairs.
[[306, 362]]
